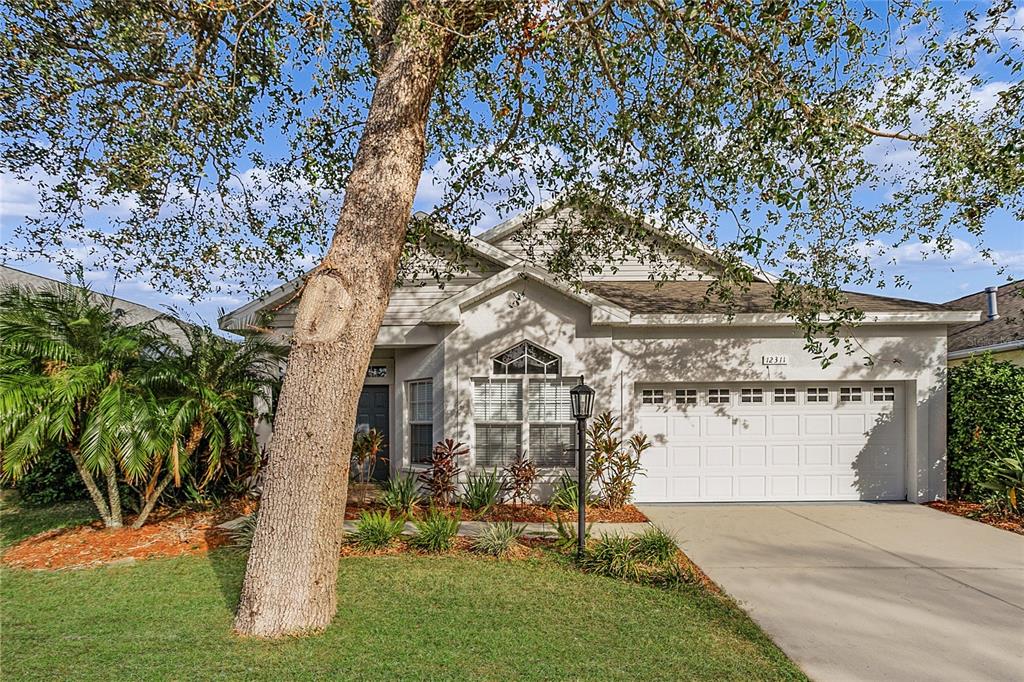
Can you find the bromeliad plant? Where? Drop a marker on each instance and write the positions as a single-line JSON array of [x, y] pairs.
[[613, 465], [441, 478], [72, 378]]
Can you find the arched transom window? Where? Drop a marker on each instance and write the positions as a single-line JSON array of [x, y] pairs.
[[523, 407], [527, 358]]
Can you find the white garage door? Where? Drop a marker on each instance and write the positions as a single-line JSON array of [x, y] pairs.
[[772, 441]]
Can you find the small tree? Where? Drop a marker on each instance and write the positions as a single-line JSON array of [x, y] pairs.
[[366, 449], [71, 378], [611, 466], [208, 390]]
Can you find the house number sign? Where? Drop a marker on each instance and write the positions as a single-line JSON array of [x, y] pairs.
[[770, 360]]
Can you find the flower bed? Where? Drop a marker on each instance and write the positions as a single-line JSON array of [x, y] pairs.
[[167, 534], [524, 513], [979, 512]]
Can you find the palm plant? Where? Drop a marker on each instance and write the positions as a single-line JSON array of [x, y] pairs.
[[70, 378], [214, 392]]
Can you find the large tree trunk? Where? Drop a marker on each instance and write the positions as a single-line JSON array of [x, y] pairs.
[[292, 570]]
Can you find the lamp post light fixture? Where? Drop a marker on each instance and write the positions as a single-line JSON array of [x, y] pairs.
[[581, 397]]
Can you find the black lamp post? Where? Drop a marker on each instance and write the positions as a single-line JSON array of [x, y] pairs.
[[582, 398]]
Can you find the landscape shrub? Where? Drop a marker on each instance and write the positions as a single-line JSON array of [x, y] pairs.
[[498, 539], [518, 478], [376, 529], [985, 423], [566, 534], [435, 532], [1006, 480], [52, 479], [401, 494], [481, 491], [241, 535], [564, 495], [649, 558], [441, 478], [613, 465]]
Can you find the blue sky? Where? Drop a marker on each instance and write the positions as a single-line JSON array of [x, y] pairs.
[[931, 278]]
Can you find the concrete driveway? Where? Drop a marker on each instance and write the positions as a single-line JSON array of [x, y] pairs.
[[863, 591]]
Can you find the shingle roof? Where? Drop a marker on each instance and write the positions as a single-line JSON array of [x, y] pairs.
[[650, 298], [134, 313], [1007, 328]]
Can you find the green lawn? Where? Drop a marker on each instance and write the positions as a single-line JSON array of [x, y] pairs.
[[18, 523], [401, 617]]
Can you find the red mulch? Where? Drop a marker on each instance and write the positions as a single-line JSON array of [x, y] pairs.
[[525, 513], [166, 534], [979, 512]]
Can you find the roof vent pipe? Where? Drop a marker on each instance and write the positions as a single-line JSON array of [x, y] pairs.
[[993, 303]]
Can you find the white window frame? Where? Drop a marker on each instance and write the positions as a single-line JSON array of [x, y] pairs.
[[652, 396], [411, 412], [751, 396], [686, 396], [524, 422], [818, 395], [888, 394], [716, 395], [784, 395], [851, 394]]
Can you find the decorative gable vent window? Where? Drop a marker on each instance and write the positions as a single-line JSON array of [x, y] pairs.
[[527, 358], [421, 420], [884, 394], [850, 394], [718, 396], [686, 396], [751, 395], [785, 395], [524, 413], [652, 396], [817, 395]]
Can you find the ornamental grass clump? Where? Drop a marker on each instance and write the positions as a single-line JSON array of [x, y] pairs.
[[650, 558], [481, 491], [435, 532], [376, 530], [499, 539], [401, 494]]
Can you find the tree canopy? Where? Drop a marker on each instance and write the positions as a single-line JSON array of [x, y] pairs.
[[216, 137]]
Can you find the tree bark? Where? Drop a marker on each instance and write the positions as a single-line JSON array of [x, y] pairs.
[[151, 502], [90, 485], [114, 498], [292, 569]]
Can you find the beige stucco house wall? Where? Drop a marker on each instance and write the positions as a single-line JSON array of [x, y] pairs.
[[451, 337]]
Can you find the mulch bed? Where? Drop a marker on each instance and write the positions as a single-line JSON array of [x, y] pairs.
[[524, 513], [978, 512], [165, 534], [526, 548]]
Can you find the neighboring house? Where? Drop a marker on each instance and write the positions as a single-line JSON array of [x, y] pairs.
[[735, 407], [134, 313], [1000, 332]]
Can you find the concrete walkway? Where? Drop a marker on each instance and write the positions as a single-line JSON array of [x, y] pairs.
[[861, 591]]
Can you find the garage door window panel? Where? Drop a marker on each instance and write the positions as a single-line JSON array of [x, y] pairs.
[[718, 396]]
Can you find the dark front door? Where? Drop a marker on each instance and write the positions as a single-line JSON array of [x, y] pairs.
[[373, 413]]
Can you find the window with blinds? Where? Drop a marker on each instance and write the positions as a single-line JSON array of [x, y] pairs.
[[511, 415], [421, 420]]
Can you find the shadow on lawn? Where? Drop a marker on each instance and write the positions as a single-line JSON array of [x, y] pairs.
[[229, 566]]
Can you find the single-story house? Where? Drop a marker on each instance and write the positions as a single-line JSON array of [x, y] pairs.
[[132, 313], [1001, 331], [736, 408]]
